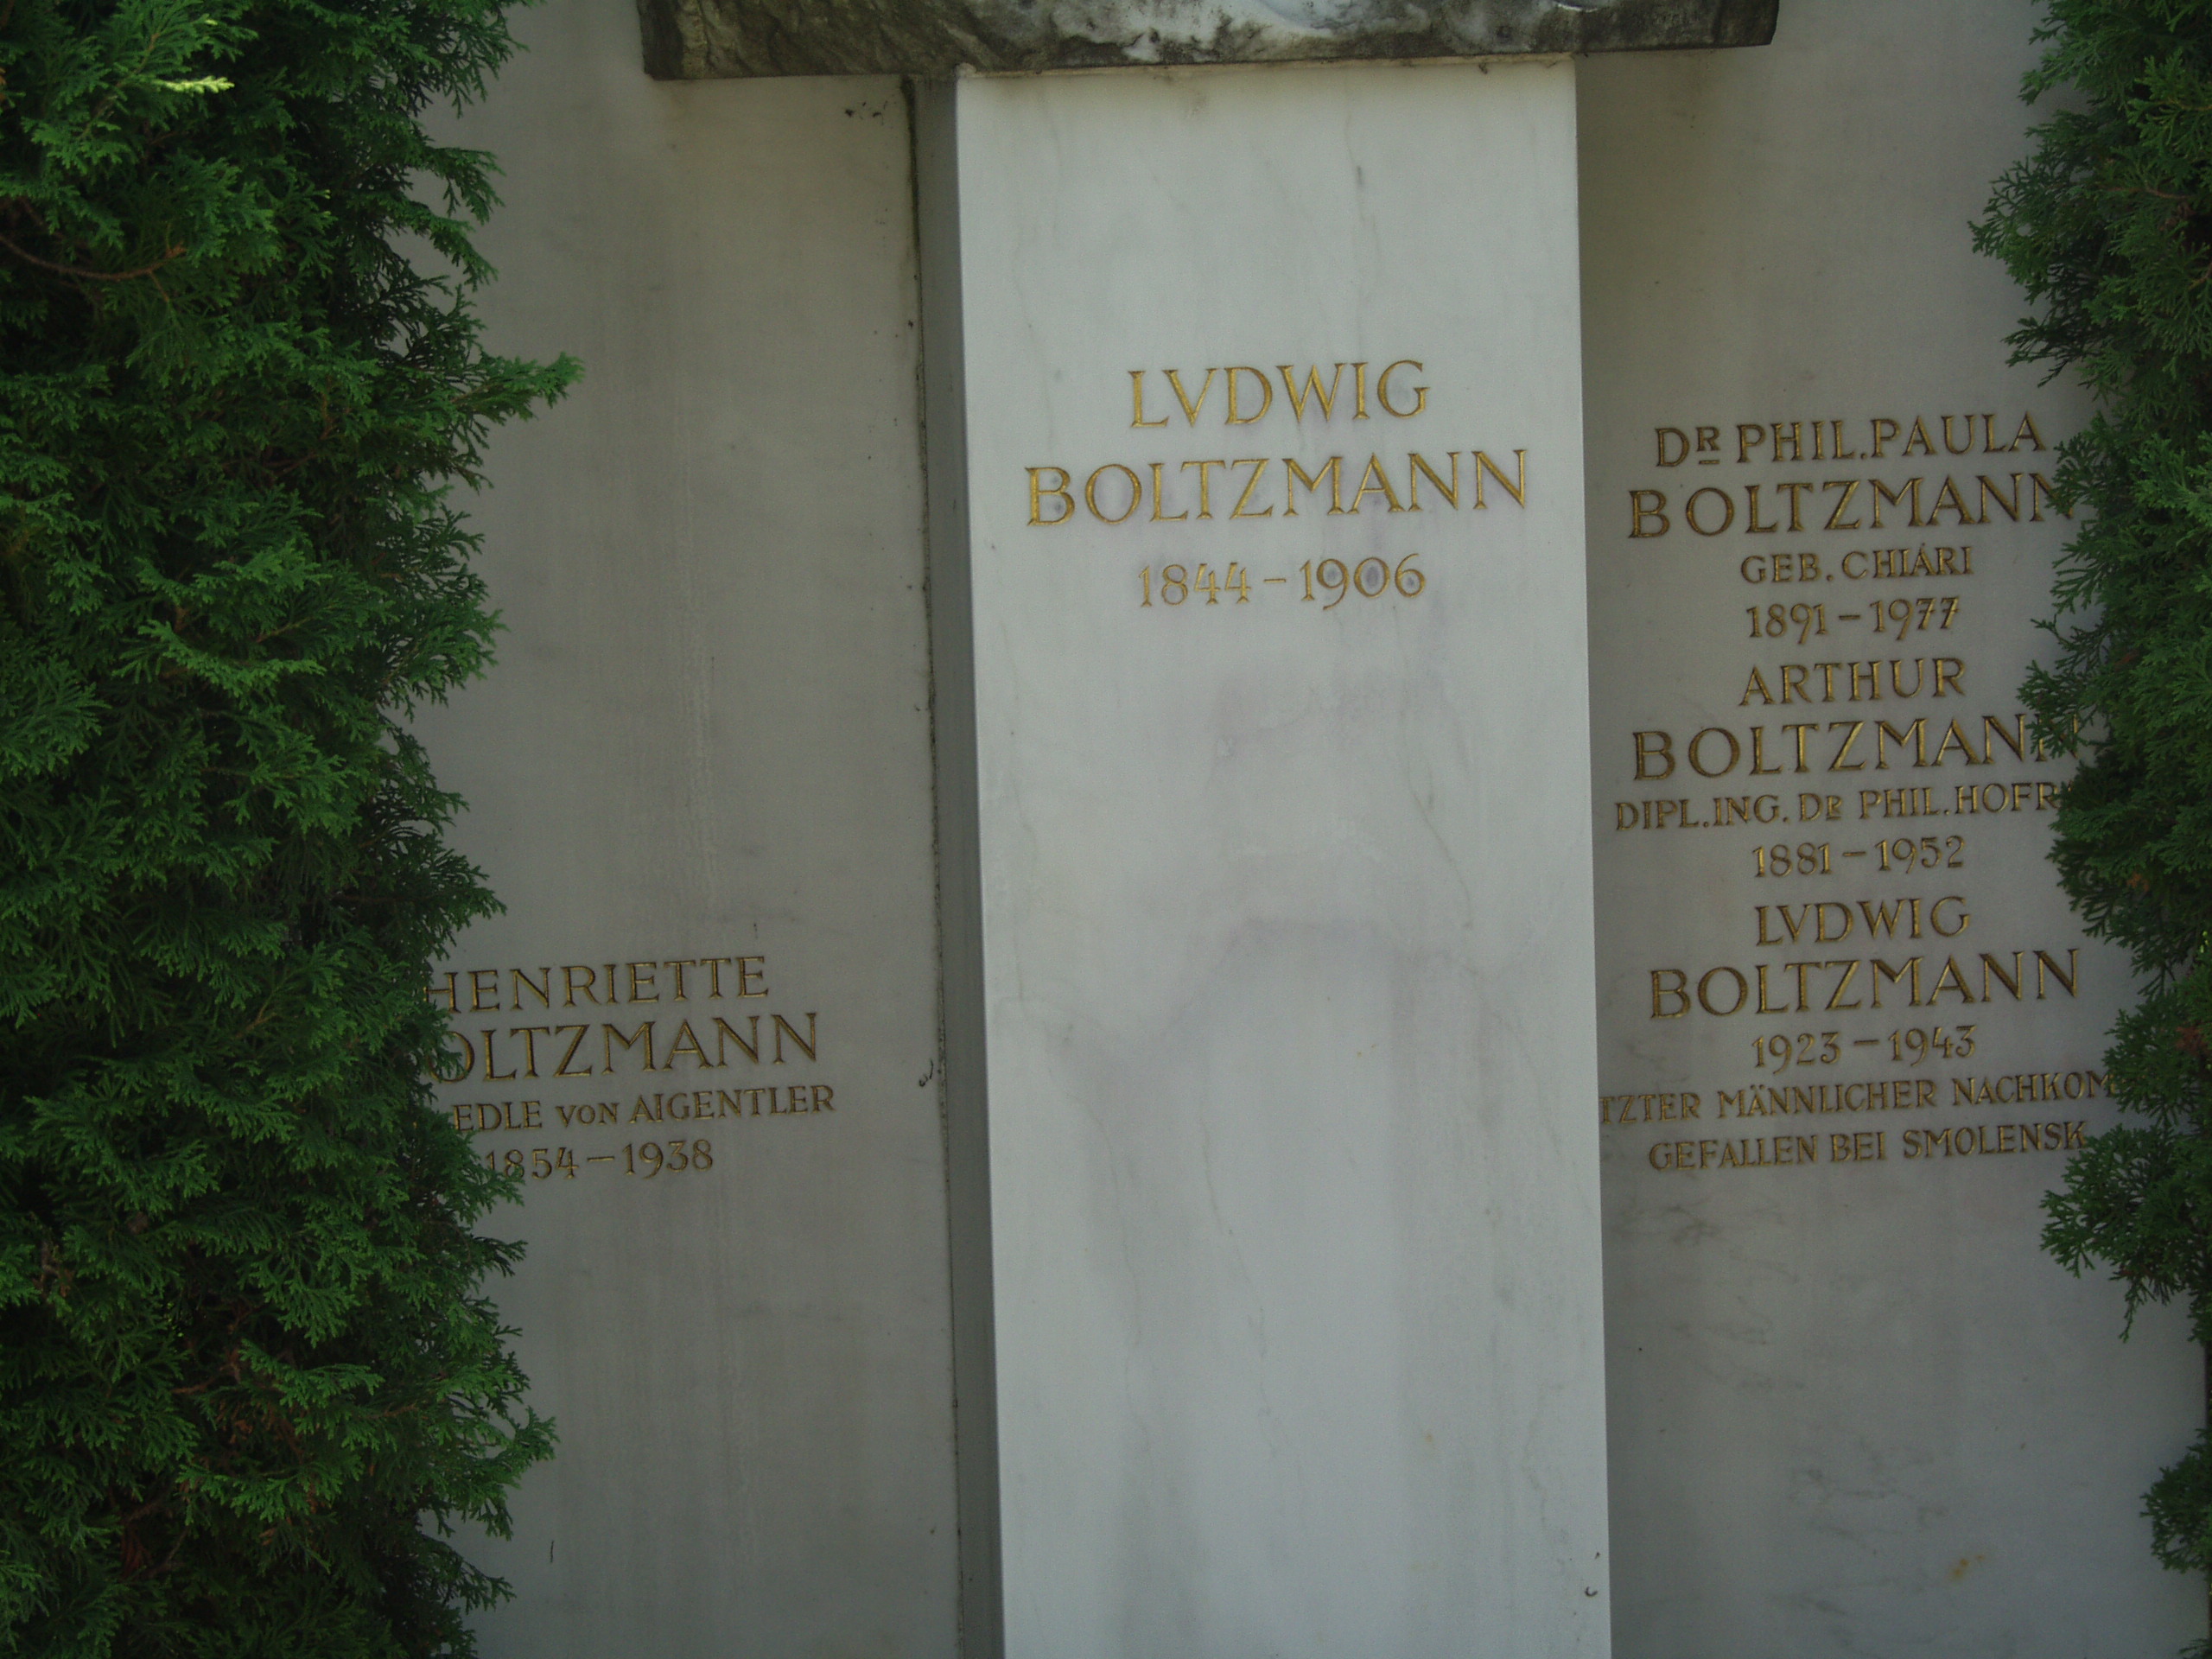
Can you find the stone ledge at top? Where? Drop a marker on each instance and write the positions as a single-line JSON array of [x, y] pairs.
[[708, 40]]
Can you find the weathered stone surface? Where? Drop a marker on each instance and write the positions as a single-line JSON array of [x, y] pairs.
[[703, 40], [1281, 999], [1853, 1407], [710, 723]]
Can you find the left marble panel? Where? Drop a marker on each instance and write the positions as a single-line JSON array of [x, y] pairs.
[[705, 1029]]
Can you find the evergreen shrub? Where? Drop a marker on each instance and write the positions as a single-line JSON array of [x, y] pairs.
[[2107, 224], [249, 1381]]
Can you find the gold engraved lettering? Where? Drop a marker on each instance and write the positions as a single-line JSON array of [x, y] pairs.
[[1295, 474], [1326, 400], [1517, 487], [612, 1034], [1917, 732], [1381, 486], [1038, 490], [2065, 975], [1850, 966], [1697, 743], [1951, 978], [1416, 468], [1728, 508], [570, 1052], [1910, 974], [1765, 1005], [1795, 492], [1267, 396], [1205, 484], [784, 1028], [1751, 524], [1090, 492], [685, 1041], [1948, 497], [1896, 498], [1259, 465], [1190, 410], [1382, 390], [1743, 991], [1160, 500], [1990, 492], [530, 1035], [1136, 398], [726, 1033]]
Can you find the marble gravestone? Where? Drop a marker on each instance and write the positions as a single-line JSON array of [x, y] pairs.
[[1853, 1407], [1080, 778], [1283, 953]]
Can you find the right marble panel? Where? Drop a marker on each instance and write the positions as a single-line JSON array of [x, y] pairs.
[[1850, 1029]]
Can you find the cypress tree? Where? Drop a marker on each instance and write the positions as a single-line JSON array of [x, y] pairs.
[[2107, 226], [249, 1381]]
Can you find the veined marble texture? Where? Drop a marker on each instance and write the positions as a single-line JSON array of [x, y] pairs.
[[1284, 899], [1854, 1409], [708, 737]]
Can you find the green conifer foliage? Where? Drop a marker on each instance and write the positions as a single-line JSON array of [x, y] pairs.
[[2107, 224], [247, 1375]]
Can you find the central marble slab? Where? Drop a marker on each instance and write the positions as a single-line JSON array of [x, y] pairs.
[[1254, 438]]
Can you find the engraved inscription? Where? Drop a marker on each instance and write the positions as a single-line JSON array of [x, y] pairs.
[[1861, 980], [680, 1018], [1296, 401]]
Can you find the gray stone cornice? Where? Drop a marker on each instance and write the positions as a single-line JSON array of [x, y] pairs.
[[702, 40]]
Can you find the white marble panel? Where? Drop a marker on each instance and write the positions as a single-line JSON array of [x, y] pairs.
[[708, 737], [1854, 1409], [1285, 903]]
